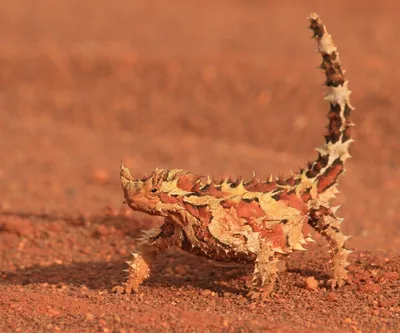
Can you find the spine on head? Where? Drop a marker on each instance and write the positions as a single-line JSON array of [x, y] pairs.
[[329, 165]]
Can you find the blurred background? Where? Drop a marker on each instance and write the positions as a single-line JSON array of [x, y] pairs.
[[221, 87]]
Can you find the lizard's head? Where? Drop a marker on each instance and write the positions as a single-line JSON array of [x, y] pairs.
[[160, 193]]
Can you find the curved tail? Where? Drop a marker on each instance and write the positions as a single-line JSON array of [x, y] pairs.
[[329, 165]]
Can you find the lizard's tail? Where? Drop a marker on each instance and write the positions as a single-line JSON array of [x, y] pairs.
[[326, 169]]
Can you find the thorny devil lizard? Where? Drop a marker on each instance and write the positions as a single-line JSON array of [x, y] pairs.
[[255, 221]]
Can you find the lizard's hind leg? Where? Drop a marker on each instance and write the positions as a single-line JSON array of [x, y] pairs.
[[324, 221]]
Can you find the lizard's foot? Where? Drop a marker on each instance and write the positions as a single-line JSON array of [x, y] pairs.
[[126, 288], [260, 294], [337, 283]]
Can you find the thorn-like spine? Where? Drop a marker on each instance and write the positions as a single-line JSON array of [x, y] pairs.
[[278, 250], [309, 239], [346, 238], [298, 247]]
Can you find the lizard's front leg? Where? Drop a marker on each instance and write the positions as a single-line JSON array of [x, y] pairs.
[[265, 272], [155, 240], [138, 270]]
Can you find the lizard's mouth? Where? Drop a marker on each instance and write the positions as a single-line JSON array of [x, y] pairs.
[[138, 206]]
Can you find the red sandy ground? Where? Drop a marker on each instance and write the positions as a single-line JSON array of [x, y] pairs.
[[219, 87]]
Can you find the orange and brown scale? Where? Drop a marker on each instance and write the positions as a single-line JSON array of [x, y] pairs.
[[251, 221]]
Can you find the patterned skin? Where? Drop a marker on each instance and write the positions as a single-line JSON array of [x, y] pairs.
[[253, 221]]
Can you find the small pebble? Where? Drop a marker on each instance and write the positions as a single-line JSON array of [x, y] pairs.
[[311, 283]]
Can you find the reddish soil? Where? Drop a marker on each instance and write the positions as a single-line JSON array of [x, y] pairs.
[[219, 87]]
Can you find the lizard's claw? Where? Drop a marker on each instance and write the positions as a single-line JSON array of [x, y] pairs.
[[126, 288]]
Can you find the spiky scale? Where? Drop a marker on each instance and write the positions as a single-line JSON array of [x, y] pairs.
[[279, 250], [298, 247], [309, 239]]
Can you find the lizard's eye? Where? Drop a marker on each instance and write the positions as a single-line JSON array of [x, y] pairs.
[[154, 190]]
